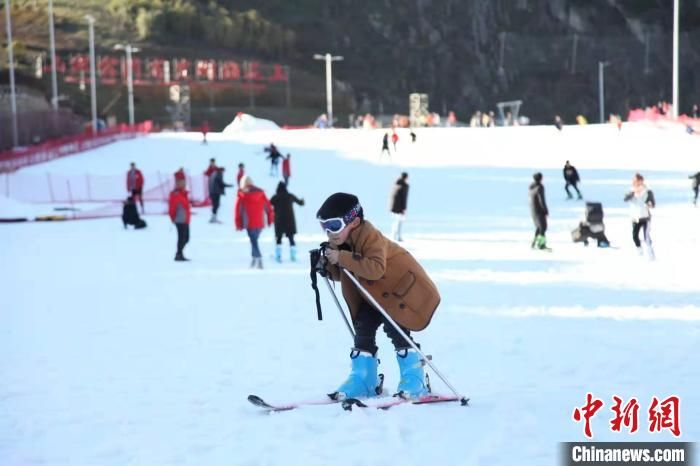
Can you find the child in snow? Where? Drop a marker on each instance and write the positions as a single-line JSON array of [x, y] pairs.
[[394, 278]]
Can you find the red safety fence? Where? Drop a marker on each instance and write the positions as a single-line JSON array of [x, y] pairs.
[[89, 196], [51, 188], [652, 114], [24, 156]]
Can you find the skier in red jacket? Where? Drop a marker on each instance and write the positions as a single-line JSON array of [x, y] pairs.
[[211, 169], [134, 184], [205, 129], [287, 169], [179, 210], [252, 206]]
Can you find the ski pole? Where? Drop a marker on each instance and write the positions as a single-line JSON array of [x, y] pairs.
[[340, 308], [371, 299]]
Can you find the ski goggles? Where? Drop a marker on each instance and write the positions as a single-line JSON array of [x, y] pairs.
[[337, 224]]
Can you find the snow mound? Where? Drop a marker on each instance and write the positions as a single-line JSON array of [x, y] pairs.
[[244, 122]]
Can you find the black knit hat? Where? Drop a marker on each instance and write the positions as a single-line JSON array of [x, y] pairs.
[[340, 205], [537, 177]]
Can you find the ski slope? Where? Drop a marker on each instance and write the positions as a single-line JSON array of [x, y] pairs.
[[114, 354]]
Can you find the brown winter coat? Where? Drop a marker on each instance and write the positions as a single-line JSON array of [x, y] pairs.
[[390, 274]]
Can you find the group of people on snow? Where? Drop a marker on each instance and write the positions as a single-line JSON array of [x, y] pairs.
[[640, 199]]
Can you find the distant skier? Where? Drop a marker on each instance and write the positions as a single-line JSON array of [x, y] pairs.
[[413, 136], [287, 168], [394, 278], [274, 158], [385, 145], [571, 178], [179, 211], [394, 139], [252, 206], [539, 211], [696, 186], [217, 188], [399, 202], [211, 169], [130, 215], [641, 201], [134, 184], [204, 129], [558, 123], [240, 174], [285, 225]]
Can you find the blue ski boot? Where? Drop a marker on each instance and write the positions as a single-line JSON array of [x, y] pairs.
[[293, 253], [278, 253], [412, 384], [363, 380]]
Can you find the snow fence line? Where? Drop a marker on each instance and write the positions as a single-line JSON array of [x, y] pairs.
[[21, 157]]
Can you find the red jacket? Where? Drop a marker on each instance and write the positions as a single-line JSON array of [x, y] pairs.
[[137, 181], [179, 198], [210, 170], [250, 207], [205, 128], [286, 168]]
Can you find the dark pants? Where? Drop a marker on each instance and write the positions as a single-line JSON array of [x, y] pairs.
[[286, 180], [540, 224], [367, 322], [641, 224], [253, 235], [137, 194], [568, 193], [695, 190], [278, 237], [215, 202], [183, 236]]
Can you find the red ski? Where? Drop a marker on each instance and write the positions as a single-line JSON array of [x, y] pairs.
[[349, 403]]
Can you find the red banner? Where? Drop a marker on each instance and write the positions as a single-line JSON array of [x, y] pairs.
[[22, 157]]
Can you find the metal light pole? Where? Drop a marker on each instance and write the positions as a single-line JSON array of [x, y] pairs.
[[52, 40], [329, 82], [601, 88], [129, 76], [675, 58], [93, 77], [11, 66]]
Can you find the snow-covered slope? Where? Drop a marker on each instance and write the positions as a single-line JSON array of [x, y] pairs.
[[113, 354]]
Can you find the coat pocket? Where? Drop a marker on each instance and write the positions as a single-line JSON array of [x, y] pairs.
[[404, 285]]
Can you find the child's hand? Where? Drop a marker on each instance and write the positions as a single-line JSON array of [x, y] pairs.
[[332, 255]]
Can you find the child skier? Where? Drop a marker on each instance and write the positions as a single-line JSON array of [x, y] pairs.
[[393, 278]]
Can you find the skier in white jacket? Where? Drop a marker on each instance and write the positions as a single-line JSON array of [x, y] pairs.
[[641, 201]]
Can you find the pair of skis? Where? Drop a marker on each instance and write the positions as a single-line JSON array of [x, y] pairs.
[[348, 404]]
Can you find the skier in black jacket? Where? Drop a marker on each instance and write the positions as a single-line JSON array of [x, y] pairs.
[[285, 225], [571, 178], [539, 211], [130, 215], [399, 202], [696, 186], [217, 188]]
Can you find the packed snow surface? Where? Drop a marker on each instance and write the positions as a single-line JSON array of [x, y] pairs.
[[114, 354]]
